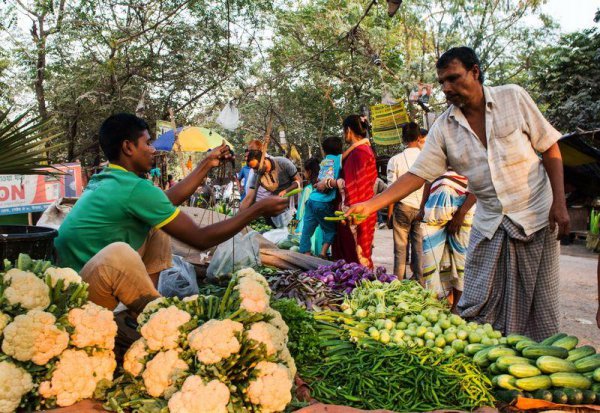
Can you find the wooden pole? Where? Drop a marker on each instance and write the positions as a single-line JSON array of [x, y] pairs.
[[176, 143]]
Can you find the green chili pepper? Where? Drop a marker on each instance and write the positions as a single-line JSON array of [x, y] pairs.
[[292, 192], [342, 218]]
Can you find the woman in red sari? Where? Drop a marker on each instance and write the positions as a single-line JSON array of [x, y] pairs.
[[355, 243]]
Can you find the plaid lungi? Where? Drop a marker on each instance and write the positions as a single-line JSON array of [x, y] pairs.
[[512, 281]]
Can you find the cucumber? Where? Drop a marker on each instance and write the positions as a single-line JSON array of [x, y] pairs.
[[589, 363], [575, 396], [568, 342], [508, 396], [493, 368], [596, 375], [505, 381], [589, 397], [538, 350], [480, 358], [534, 383], [596, 387], [543, 395], [552, 339], [513, 339], [588, 374], [551, 364], [503, 362], [581, 352], [525, 343], [522, 371], [497, 352], [472, 349], [559, 397], [570, 380]]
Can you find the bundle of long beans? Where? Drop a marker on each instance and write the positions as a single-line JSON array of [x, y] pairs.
[[308, 292]]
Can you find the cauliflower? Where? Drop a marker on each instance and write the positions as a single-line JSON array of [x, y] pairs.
[[250, 274], [151, 307], [254, 298], [14, 384], [4, 320], [94, 326], [288, 360], [162, 372], [133, 362], [197, 397], [68, 275], [76, 376], [190, 298], [27, 290], [33, 336], [277, 321], [269, 335], [271, 390], [162, 329], [215, 340]]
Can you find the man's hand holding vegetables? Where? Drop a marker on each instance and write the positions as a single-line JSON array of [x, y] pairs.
[[116, 235]]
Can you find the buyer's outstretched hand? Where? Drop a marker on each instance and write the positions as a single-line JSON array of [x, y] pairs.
[[273, 205], [218, 156], [357, 213]]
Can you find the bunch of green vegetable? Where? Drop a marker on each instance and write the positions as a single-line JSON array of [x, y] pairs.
[[260, 225], [554, 370], [398, 379], [307, 291]]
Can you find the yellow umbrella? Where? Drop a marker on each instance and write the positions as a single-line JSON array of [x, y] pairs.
[[197, 139]]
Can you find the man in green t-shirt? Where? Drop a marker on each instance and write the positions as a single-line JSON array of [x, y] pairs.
[[115, 235]]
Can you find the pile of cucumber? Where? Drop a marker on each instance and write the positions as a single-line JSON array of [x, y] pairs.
[[554, 370]]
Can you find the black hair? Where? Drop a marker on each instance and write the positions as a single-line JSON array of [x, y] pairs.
[[465, 55], [332, 145], [410, 132], [355, 123], [313, 165], [118, 128], [169, 177], [424, 132]]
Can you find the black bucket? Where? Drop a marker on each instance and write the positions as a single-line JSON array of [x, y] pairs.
[[37, 242]]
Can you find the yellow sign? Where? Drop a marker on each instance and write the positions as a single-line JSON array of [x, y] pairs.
[[387, 121]]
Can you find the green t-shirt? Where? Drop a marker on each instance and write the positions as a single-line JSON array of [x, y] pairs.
[[116, 206]]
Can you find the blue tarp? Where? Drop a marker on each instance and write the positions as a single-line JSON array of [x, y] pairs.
[[166, 140]]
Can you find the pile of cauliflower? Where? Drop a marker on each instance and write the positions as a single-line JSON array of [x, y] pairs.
[[209, 354], [55, 346]]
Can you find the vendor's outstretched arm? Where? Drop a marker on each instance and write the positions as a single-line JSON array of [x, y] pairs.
[[182, 190], [184, 229], [404, 186]]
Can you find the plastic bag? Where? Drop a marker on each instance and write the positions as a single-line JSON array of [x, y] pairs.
[[238, 252], [277, 235], [229, 118], [179, 280], [282, 220]]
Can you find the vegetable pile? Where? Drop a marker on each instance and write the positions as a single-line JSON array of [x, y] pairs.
[[553, 370], [345, 277], [57, 348], [206, 353], [308, 292], [260, 225]]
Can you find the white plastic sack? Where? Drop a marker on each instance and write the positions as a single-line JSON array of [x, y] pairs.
[[277, 235], [282, 220], [179, 280], [56, 213], [229, 118], [238, 252]]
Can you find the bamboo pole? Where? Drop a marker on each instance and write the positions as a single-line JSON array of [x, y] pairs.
[[176, 142]]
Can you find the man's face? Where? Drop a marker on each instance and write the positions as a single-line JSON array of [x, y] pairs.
[[142, 152], [459, 84]]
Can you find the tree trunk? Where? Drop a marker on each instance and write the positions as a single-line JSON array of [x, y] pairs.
[[39, 37]]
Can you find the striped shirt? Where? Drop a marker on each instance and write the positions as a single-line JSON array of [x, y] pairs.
[[508, 177]]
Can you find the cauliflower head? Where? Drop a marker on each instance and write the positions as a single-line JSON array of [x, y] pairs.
[[190, 298], [68, 275], [151, 307], [14, 384], [277, 321], [162, 372], [26, 289], [288, 360], [250, 273], [76, 376], [273, 339], [215, 340], [271, 390], [197, 397], [253, 296], [94, 326], [134, 359], [161, 331], [4, 320], [34, 336]]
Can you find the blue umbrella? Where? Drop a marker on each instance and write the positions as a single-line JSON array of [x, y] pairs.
[[166, 140]]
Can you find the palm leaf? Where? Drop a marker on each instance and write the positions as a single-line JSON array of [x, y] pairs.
[[25, 142]]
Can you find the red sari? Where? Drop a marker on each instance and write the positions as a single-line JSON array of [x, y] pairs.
[[359, 171]]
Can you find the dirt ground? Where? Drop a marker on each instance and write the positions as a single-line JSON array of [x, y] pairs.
[[578, 289]]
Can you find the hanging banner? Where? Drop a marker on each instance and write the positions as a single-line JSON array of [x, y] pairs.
[[163, 126], [21, 194], [387, 121]]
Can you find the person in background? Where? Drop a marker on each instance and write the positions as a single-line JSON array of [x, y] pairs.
[[404, 216], [311, 175], [379, 187], [155, 175], [447, 218], [499, 140], [243, 178], [170, 181], [321, 202], [359, 173]]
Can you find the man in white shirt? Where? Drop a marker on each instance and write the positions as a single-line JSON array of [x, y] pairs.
[[404, 216], [492, 136]]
